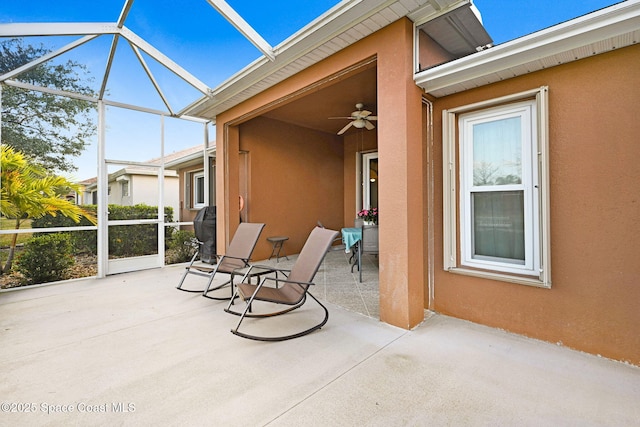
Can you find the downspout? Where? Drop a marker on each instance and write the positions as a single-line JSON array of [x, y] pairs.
[[430, 203]]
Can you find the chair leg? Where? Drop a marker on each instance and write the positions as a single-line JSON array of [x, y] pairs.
[[184, 276], [354, 257], [186, 271], [360, 265], [209, 289]]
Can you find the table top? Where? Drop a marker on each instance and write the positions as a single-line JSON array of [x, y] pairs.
[[277, 238], [351, 236]]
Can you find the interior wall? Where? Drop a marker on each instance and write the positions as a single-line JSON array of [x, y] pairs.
[[401, 151], [296, 180], [595, 214]]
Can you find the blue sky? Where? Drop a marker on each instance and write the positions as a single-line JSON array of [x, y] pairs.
[[194, 35]]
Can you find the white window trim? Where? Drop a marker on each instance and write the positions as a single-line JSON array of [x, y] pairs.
[[125, 189], [524, 110], [451, 193], [194, 179], [366, 187]]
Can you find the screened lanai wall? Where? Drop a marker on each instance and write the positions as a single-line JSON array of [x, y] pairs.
[[132, 141]]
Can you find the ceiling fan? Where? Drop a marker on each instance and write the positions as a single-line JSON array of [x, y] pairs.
[[359, 119]]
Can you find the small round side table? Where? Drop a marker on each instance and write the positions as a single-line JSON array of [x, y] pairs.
[[277, 242]]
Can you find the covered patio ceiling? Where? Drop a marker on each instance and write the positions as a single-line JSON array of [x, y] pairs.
[[314, 108]]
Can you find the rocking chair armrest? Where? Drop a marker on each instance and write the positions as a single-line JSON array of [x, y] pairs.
[[245, 260], [298, 282], [282, 271]]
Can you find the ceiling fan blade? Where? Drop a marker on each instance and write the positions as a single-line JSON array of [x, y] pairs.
[[341, 118], [369, 125], [372, 118], [344, 129], [365, 113]]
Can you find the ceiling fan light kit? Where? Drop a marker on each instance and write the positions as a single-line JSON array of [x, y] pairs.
[[359, 123], [359, 119]]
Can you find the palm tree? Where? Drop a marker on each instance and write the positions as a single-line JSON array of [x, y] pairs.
[[28, 191]]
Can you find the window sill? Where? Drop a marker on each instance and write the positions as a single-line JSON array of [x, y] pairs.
[[502, 277]]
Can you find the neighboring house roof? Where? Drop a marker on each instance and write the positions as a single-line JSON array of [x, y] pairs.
[[338, 28], [607, 29], [188, 157], [89, 182], [172, 161], [121, 174]]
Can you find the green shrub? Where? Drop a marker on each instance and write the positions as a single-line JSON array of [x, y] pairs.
[[124, 240], [81, 241], [46, 258], [181, 246], [135, 240]]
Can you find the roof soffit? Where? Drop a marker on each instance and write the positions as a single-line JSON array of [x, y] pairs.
[[460, 31]]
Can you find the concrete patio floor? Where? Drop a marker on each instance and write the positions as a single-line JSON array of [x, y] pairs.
[[130, 349]]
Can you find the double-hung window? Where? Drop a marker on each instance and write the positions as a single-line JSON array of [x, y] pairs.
[[496, 189]]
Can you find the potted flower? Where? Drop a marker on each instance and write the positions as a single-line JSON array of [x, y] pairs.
[[369, 216]]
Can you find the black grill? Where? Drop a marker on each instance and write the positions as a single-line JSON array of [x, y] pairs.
[[204, 226]]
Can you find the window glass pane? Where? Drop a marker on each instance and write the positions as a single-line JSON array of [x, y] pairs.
[[498, 225], [199, 189], [497, 152], [373, 183]]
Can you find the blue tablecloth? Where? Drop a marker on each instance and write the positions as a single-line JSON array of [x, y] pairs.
[[351, 236]]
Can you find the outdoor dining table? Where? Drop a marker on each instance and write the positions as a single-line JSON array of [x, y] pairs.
[[351, 237]]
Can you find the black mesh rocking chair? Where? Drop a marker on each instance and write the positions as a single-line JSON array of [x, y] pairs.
[[236, 257], [288, 287]]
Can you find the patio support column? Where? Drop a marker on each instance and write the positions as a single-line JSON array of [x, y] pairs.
[[402, 198], [227, 179], [103, 196]]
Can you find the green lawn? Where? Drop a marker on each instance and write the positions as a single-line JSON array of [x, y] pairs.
[[10, 224]]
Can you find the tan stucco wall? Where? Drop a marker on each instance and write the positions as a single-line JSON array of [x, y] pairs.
[[186, 212], [430, 53], [295, 181], [593, 304], [401, 160]]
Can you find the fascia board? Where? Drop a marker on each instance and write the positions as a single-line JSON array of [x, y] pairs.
[[612, 21]]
